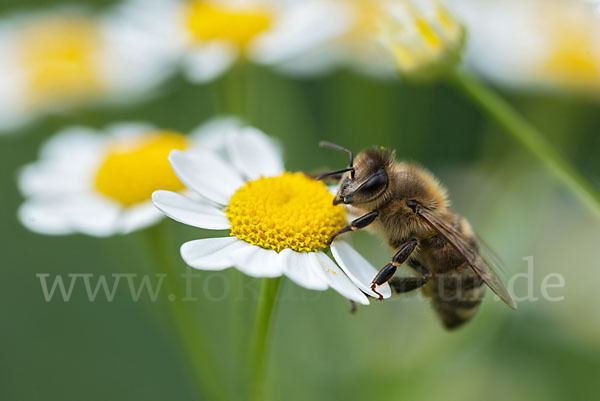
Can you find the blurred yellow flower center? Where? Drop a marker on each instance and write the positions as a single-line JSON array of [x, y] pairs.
[[130, 172], [59, 59], [287, 211], [209, 21], [574, 59]]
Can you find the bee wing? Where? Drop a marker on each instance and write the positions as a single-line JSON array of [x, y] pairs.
[[493, 258], [480, 265]]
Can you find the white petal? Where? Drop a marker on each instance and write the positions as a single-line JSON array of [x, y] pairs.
[[14, 110], [40, 217], [258, 262], [211, 253], [299, 269], [255, 154], [47, 178], [206, 174], [140, 48], [83, 213], [129, 130], [190, 212], [139, 216], [208, 61], [92, 215], [76, 140], [336, 278], [67, 164], [357, 268], [333, 189], [304, 27], [213, 133]]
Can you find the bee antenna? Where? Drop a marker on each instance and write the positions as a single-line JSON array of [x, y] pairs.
[[326, 144], [336, 172]]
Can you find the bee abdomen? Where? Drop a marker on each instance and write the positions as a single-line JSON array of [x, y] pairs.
[[456, 297], [452, 316]]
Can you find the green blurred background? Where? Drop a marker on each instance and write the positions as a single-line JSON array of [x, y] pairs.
[[395, 350]]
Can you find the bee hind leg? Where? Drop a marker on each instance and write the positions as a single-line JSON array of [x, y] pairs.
[[402, 285]]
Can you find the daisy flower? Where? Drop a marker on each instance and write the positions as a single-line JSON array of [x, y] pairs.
[[207, 36], [100, 183], [57, 59], [536, 43], [320, 35], [278, 221]]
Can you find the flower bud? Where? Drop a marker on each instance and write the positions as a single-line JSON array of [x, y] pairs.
[[424, 38]]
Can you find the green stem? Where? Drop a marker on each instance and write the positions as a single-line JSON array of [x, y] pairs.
[[530, 138], [194, 345], [234, 90], [264, 311]]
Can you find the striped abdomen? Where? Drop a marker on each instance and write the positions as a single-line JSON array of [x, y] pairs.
[[455, 295]]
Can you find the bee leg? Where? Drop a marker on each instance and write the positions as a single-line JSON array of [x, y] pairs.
[[387, 272], [407, 284], [353, 307], [416, 266], [383, 276], [404, 253], [356, 224]]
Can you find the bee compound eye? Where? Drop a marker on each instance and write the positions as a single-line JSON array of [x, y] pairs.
[[374, 185]]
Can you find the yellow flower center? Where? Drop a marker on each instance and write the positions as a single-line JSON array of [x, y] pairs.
[[209, 21], [130, 172], [59, 58], [287, 211]]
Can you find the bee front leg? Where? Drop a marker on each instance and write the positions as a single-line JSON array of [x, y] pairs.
[[356, 224], [387, 272]]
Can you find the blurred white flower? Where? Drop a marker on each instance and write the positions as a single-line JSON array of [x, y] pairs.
[[375, 37], [278, 222], [61, 58], [206, 36], [101, 183], [535, 43]]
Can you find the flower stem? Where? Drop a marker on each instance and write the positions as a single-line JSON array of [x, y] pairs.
[[264, 311], [194, 345], [530, 138]]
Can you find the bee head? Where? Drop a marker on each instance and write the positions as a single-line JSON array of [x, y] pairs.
[[366, 179], [367, 186]]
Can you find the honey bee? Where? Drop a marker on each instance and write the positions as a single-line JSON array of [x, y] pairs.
[[409, 207]]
